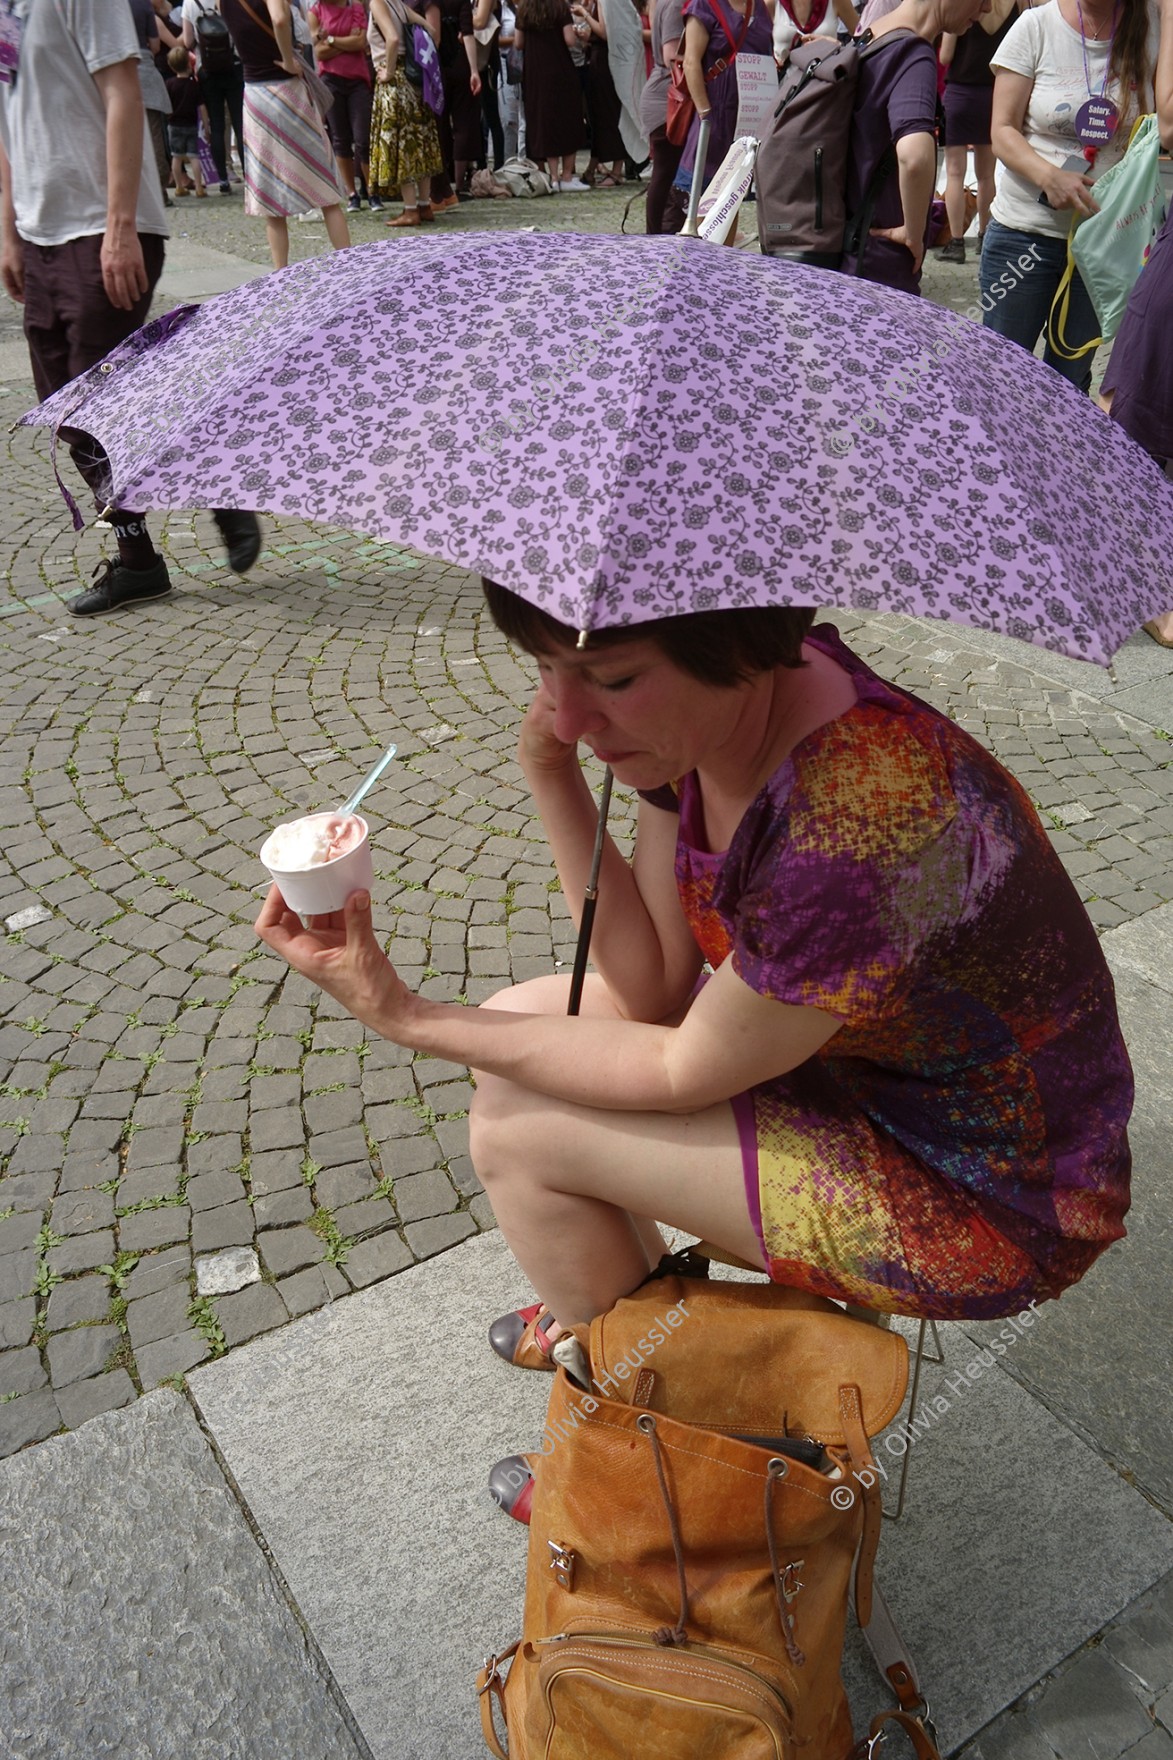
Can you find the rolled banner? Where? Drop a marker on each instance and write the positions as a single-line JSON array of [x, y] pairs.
[[722, 200]]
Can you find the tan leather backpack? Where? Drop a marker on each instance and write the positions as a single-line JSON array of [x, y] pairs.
[[697, 1516]]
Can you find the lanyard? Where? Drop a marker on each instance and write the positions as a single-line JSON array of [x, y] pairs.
[[1096, 120]]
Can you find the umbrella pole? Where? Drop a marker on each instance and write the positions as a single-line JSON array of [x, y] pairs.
[[688, 230], [587, 921]]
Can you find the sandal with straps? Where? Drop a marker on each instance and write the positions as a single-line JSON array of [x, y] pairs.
[[520, 1337]]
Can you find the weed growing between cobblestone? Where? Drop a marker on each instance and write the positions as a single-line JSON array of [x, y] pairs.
[[202, 1314], [338, 1247]]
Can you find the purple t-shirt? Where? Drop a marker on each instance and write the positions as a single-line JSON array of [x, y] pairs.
[[897, 95]]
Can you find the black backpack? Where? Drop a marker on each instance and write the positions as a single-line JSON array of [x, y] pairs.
[[801, 175], [213, 42]]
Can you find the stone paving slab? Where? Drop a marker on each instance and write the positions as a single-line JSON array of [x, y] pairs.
[[138, 1615], [361, 1447]]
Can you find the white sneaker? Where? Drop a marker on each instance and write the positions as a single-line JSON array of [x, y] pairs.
[[574, 183], [309, 215]]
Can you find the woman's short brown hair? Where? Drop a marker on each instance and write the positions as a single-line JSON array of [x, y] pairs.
[[716, 647]]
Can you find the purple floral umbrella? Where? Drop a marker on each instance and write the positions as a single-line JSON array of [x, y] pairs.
[[625, 429]]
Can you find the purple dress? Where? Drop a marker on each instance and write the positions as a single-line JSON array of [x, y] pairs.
[[1140, 372], [959, 1147], [759, 40]]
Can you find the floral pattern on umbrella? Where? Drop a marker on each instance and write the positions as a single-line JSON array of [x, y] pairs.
[[626, 429]]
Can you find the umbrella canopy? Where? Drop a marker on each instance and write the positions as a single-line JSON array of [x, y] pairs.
[[623, 429]]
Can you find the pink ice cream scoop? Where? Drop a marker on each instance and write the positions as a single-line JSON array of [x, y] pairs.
[[319, 861]]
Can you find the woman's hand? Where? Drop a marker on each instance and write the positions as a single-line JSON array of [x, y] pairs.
[[339, 953], [539, 747], [293, 65], [1070, 189], [383, 73]]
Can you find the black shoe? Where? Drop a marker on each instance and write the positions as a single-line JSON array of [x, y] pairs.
[[953, 252], [225, 189], [241, 532], [354, 205], [375, 205], [121, 587]]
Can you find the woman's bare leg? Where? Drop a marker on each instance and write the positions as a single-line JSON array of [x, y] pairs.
[[955, 190], [574, 1187], [277, 230], [983, 164], [336, 227]]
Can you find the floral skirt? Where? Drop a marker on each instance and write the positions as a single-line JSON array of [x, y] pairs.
[[405, 144]]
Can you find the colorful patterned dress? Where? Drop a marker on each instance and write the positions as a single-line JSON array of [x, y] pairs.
[[959, 1147]]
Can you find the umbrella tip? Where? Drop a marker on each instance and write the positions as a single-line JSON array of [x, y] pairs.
[[582, 638]]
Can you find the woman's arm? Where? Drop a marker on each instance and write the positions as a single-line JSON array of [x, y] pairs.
[[696, 41], [431, 18], [388, 25], [847, 15], [1063, 189], [730, 1039], [282, 22], [947, 48], [1163, 78]]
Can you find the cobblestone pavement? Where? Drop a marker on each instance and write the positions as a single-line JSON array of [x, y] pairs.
[[197, 1147], [170, 1091]]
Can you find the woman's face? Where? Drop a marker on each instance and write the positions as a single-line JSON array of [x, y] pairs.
[[636, 710]]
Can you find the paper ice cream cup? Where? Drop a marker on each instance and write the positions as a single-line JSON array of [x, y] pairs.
[[312, 892]]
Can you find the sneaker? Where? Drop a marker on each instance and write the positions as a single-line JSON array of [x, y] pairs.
[[574, 184], [354, 205], [448, 202], [374, 204], [241, 532], [310, 215], [225, 189], [120, 587], [953, 252]]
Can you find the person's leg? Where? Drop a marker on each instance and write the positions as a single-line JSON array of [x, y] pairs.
[[557, 1173], [277, 231], [665, 163], [215, 87], [360, 130], [1016, 300], [983, 161], [70, 325], [955, 189], [336, 228], [234, 97], [197, 175], [491, 108]]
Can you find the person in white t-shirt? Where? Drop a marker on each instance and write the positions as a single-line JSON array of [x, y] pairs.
[[1071, 79]]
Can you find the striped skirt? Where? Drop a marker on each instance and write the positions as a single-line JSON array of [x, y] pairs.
[[288, 163]]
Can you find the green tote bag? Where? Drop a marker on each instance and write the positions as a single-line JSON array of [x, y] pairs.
[[1109, 248]]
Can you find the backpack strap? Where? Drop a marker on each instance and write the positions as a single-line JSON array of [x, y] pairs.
[[1061, 307]]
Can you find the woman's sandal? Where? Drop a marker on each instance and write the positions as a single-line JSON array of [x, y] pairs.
[[520, 1337], [511, 1486], [610, 182], [1153, 630]]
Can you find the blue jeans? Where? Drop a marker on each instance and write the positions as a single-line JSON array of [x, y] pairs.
[[1016, 298]]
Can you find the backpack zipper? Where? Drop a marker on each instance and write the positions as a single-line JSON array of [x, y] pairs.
[[818, 189]]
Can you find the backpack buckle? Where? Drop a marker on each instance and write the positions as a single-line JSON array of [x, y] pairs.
[[562, 1562]]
